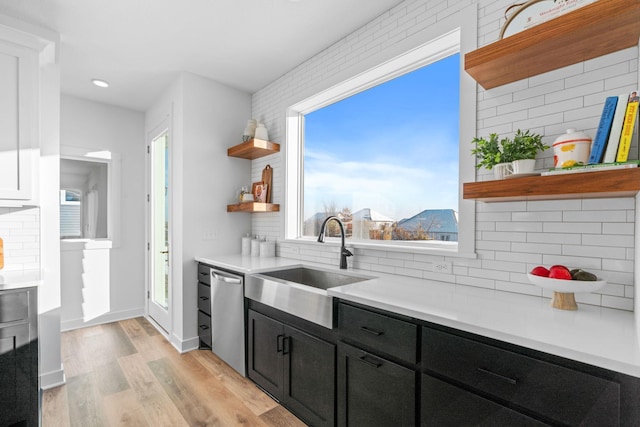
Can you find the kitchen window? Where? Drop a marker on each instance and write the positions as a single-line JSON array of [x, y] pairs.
[[358, 181]]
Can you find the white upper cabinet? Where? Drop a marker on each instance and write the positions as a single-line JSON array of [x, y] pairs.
[[18, 119]]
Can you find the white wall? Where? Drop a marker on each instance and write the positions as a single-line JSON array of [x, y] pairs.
[[511, 238], [206, 118], [99, 127]]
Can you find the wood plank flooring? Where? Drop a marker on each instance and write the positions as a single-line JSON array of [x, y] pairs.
[[127, 374]]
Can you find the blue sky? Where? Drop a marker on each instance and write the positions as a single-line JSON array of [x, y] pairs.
[[392, 148]]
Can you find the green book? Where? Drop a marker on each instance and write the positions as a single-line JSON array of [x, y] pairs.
[[593, 168]]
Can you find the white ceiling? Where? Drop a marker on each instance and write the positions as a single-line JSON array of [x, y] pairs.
[[139, 46]]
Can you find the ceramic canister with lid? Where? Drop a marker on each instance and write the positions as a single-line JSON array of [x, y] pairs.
[[571, 149]]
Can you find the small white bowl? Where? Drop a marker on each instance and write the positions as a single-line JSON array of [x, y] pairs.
[[566, 286]]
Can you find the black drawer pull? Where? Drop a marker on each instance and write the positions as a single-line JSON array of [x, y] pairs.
[[279, 343], [371, 331], [375, 363], [204, 274], [495, 374], [205, 327], [204, 298]]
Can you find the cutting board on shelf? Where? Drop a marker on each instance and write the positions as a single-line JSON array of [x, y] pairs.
[[267, 178]]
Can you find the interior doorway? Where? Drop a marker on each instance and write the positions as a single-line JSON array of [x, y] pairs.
[[159, 197]]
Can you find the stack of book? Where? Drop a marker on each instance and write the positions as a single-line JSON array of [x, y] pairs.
[[617, 132]]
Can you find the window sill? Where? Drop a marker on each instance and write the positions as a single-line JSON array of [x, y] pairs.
[[451, 249]]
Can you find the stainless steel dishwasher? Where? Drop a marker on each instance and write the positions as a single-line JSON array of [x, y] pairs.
[[227, 318]]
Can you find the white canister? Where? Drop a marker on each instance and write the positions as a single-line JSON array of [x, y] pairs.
[[255, 247], [571, 149], [261, 132], [268, 249], [246, 245]]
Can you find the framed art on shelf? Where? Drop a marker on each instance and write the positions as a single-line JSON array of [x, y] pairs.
[[259, 190]]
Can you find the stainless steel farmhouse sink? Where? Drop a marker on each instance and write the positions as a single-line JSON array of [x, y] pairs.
[[300, 291]]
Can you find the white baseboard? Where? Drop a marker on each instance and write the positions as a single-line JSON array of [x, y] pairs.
[[116, 316], [184, 346], [52, 379]]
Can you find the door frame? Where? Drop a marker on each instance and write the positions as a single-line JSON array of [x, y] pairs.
[[157, 130]]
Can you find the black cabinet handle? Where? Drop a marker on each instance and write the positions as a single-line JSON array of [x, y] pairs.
[[371, 331], [279, 343], [499, 376], [204, 298], [375, 364], [286, 345], [205, 327]]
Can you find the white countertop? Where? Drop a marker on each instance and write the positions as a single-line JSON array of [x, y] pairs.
[[599, 336], [19, 279]]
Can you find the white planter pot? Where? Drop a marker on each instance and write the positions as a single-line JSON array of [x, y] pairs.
[[519, 167], [501, 170]]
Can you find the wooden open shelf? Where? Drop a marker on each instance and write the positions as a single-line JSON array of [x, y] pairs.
[[588, 32], [586, 185], [253, 149], [253, 207]]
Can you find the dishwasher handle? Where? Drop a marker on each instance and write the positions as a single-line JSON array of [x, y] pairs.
[[226, 279]]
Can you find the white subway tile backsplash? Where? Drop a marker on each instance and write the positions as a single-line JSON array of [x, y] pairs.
[[20, 232], [511, 237], [578, 227], [542, 248], [617, 302], [593, 251], [615, 240], [519, 226], [565, 238]]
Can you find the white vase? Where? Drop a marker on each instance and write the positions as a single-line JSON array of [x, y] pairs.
[[249, 130], [261, 132]]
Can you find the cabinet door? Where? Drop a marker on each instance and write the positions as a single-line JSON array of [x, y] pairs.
[[17, 377], [266, 341], [18, 125], [373, 391], [309, 377], [443, 405]]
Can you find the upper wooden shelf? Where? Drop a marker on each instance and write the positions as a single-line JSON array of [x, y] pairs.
[[588, 32], [586, 185], [253, 149]]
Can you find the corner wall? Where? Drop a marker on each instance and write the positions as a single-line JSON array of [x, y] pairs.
[[206, 117], [93, 126], [511, 238]]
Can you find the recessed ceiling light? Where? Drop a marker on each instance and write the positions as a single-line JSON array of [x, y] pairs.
[[100, 83]]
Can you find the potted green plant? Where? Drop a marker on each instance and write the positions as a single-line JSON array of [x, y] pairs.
[[524, 146], [489, 152], [508, 156]]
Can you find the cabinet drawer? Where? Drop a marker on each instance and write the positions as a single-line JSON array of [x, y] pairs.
[[443, 404], [204, 298], [204, 328], [377, 331], [561, 394], [203, 274], [14, 306]]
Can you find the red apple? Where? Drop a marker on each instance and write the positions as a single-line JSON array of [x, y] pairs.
[[540, 271], [559, 272]]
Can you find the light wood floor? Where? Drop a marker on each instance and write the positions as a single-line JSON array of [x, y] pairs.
[[127, 374]]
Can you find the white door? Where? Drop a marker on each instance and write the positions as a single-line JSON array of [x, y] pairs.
[[159, 295]]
